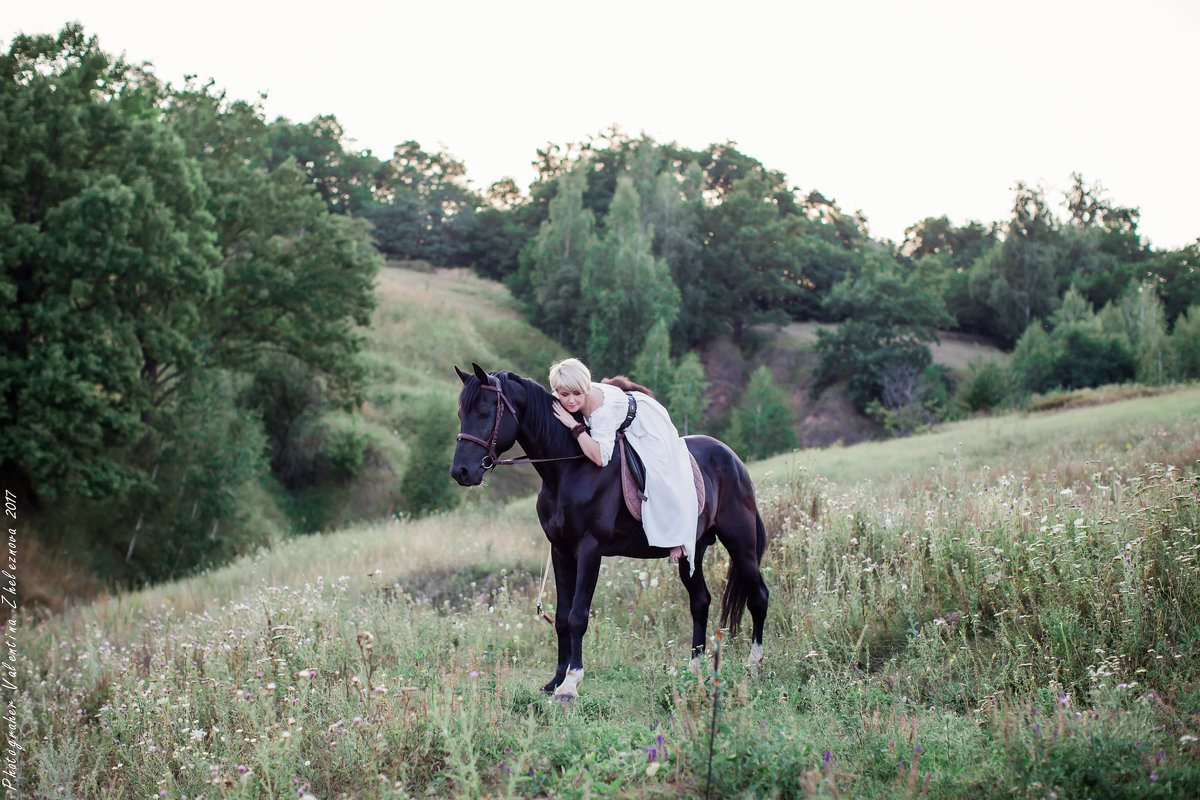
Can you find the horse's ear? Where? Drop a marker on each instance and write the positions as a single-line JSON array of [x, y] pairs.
[[479, 373], [462, 376]]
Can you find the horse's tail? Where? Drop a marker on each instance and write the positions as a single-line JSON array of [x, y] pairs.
[[737, 589]]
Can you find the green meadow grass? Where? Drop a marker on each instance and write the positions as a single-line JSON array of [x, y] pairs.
[[1041, 443], [1007, 607]]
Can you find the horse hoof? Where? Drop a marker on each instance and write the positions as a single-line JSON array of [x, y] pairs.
[[755, 659], [569, 689]]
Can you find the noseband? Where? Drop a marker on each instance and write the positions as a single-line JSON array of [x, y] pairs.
[[493, 385]]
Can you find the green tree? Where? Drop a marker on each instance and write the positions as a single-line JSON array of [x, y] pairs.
[[346, 180], [152, 255], [493, 244], [423, 207], [986, 386], [626, 289], [1175, 275], [1081, 350], [1185, 345], [947, 252], [1145, 327], [652, 368], [761, 424], [750, 274], [108, 259], [675, 220], [889, 320], [1103, 246], [206, 502], [1033, 359], [427, 485], [294, 278], [1087, 356], [688, 394], [554, 262], [1019, 279]]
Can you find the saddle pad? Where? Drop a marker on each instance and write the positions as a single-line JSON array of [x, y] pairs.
[[634, 498]]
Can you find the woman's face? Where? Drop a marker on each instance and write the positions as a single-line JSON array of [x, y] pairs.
[[571, 399]]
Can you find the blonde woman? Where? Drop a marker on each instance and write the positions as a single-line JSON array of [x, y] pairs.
[[669, 511]]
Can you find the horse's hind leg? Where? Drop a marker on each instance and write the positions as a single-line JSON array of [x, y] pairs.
[[693, 581], [745, 539], [757, 595]]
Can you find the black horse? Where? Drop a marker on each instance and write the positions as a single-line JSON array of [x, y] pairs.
[[584, 516]]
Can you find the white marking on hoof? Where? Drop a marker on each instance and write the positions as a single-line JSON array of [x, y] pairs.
[[569, 688], [696, 665], [755, 658]]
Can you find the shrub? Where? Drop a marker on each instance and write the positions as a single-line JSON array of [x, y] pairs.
[[761, 424], [427, 485], [988, 385]]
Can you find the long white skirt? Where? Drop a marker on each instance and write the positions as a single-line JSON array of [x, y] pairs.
[[670, 511]]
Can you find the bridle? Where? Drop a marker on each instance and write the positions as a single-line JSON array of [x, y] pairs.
[[490, 460]]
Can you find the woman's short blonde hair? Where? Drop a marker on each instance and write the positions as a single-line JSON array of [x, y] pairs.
[[570, 374]]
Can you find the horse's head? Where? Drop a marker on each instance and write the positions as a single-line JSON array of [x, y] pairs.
[[488, 426]]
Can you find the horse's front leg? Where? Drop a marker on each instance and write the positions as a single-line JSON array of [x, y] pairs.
[[587, 572], [700, 599], [564, 584]]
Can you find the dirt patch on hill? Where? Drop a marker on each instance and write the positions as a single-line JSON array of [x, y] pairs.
[[829, 418], [725, 371], [455, 590]]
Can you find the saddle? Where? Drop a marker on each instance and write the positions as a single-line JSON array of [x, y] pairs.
[[633, 470]]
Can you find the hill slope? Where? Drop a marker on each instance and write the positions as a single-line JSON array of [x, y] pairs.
[[943, 621], [427, 321]]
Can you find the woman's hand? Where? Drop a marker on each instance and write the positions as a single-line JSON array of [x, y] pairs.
[[564, 416]]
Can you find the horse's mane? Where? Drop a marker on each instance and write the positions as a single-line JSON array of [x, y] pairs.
[[537, 418], [625, 385]]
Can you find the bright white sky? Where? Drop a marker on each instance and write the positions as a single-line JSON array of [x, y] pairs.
[[902, 109]]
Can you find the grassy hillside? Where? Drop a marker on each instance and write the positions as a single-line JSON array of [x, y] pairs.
[[428, 321], [1012, 611]]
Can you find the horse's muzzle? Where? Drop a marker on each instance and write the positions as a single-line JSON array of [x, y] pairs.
[[465, 476]]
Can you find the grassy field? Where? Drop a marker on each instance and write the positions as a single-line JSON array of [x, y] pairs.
[[1008, 607]]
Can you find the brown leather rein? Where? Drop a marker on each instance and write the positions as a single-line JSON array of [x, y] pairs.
[[490, 460]]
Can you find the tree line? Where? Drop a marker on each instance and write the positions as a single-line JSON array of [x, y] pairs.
[[165, 266], [621, 238], [183, 280], [620, 234]]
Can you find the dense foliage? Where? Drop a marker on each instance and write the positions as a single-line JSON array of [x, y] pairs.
[[156, 257]]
